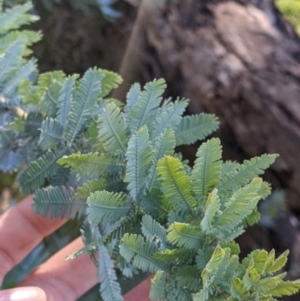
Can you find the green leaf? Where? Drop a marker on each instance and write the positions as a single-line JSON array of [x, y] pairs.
[[278, 263], [286, 288], [110, 289], [64, 101], [107, 206], [29, 38], [114, 185], [117, 231], [158, 287], [48, 103], [56, 202], [175, 292], [185, 236], [195, 127], [265, 190], [259, 258], [203, 257], [153, 231], [238, 289], [84, 103], [51, 133], [266, 285], [34, 176], [251, 276], [109, 82], [113, 131], [145, 109], [132, 97], [202, 295], [16, 17], [139, 160], [207, 169], [23, 72], [176, 184], [212, 207], [188, 277], [212, 267], [173, 256], [93, 164], [10, 62], [169, 117], [238, 207], [139, 252], [163, 146], [245, 173]]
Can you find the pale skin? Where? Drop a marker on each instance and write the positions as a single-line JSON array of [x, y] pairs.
[[55, 280]]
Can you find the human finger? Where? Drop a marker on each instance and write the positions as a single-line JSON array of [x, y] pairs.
[[23, 294], [140, 292], [20, 232], [64, 280], [68, 280]]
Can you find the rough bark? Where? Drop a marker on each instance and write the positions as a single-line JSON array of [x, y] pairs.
[[240, 62]]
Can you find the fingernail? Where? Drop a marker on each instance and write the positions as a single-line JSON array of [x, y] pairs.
[[23, 294]]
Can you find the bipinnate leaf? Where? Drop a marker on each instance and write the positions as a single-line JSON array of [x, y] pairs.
[[213, 264], [188, 277], [93, 164], [51, 133], [286, 288], [107, 206], [48, 102], [266, 285], [251, 276], [114, 185], [15, 17], [132, 97], [212, 207], [238, 289], [207, 169], [57, 202], [158, 289], [238, 207], [185, 235], [245, 173], [110, 81], [84, 103], [278, 263], [139, 160], [25, 71], [10, 61], [164, 145], [110, 289], [169, 117], [64, 101], [176, 184], [34, 176], [144, 110], [138, 251], [113, 130], [195, 127], [153, 231], [174, 255]]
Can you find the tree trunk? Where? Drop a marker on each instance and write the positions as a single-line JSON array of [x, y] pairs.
[[242, 63]]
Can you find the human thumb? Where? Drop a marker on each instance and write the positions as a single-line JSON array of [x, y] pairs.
[[30, 293]]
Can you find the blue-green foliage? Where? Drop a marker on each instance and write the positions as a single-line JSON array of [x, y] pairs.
[[14, 46], [142, 205]]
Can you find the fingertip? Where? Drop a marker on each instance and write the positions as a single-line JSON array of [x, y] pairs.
[[23, 294]]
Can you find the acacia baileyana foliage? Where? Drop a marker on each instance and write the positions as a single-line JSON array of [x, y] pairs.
[[143, 207]]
